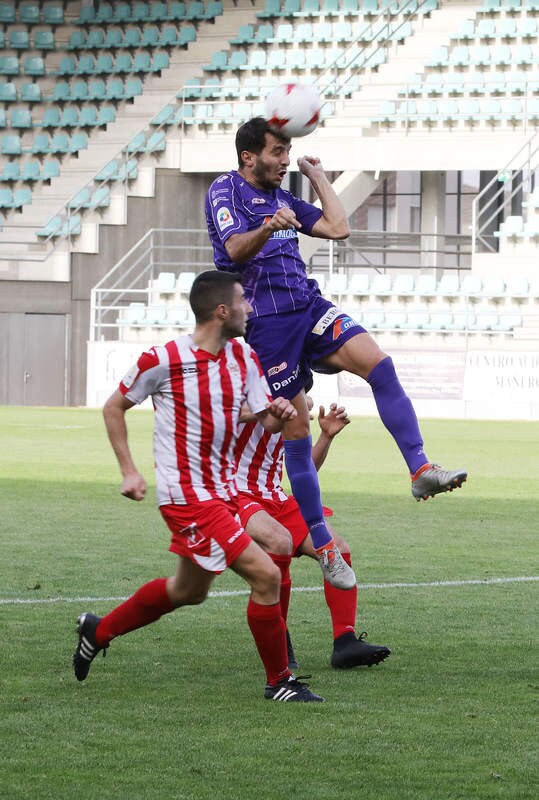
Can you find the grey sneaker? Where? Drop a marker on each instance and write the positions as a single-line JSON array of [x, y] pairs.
[[432, 479], [335, 569]]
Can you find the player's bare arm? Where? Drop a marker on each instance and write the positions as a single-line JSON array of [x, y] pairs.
[[330, 424], [333, 224], [114, 411], [243, 246], [276, 414]]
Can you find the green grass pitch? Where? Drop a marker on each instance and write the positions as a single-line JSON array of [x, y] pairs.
[[176, 710]]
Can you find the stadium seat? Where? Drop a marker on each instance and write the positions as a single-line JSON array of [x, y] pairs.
[[493, 287], [22, 197], [97, 89], [11, 172], [18, 40], [440, 321], [381, 285], [403, 285], [8, 14], [50, 169], [6, 199], [448, 285], [176, 12], [150, 36], [53, 14], [51, 117], [393, 320], [133, 314], [359, 284], [471, 286], [9, 65], [11, 145], [166, 283], [31, 93], [184, 282], [507, 323], [3, 118], [462, 320], [8, 92], [417, 320], [44, 41], [41, 144], [69, 118], [21, 118], [31, 171], [373, 318]]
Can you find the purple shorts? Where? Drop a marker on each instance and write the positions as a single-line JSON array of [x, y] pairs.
[[292, 344]]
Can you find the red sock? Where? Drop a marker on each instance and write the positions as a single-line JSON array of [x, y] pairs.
[[283, 562], [342, 604], [269, 633], [148, 603]]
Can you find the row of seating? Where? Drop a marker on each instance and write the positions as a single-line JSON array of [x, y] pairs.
[[142, 315], [515, 227], [80, 90], [216, 113], [14, 200], [129, 38], [472, 84], [279, 60], [438, 321], [344, 8], [449, 112], [30, 171], [108, 64], [89, 116], [193, 10], [31, 13], [509, 7], [323, 32], [424, 286], [496, 55], [487, 29], [44, 144], [23, 40]]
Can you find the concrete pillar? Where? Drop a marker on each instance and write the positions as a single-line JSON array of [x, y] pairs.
[[432, 219]]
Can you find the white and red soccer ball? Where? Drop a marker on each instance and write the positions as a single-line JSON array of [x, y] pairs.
[[293, 109]]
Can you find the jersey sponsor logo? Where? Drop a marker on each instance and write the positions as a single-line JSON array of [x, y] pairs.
[[278, 368], [224, 218], [130, 377], [235, 536], [325, 321], [343, 324], [221, 178], [276, 385], [258, 201], [193, 369], [282, 204], [288, 233], [223, 192]]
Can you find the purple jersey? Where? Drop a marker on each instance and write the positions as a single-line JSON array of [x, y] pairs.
[[275, 280]]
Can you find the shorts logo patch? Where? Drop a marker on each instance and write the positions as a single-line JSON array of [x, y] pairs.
[[342, 325], [278, 368], [224, 218], [325, 321], [276, 385]]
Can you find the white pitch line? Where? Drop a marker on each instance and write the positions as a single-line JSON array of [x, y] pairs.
[[7, 601]]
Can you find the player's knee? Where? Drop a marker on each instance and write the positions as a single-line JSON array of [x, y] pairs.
[[279, 542], [269, 579], [187, 596]]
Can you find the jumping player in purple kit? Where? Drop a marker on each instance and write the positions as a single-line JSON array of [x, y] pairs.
[[253, 225]]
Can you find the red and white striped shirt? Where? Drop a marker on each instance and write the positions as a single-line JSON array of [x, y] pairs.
[[259, 462], [197, 399]]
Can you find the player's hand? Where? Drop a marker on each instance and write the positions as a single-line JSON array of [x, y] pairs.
[[282, 409], [284, 219], [310, 166], [334, 421], [134, 486]]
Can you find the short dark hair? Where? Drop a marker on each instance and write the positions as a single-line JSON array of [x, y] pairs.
[[209, 290], [251, 136]]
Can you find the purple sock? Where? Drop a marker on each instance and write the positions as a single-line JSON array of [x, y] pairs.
[[397, 413], [305, 488]]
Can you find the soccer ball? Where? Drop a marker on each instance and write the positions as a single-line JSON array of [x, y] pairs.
[[293, 109]]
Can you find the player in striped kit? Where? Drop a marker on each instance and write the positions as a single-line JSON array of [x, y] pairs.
[[198, 385], [274, 520]]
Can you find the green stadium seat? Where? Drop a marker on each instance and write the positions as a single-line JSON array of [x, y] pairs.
[[34, 66], [132, 88], [96, 39], [121, 12], [330, 8], [11, 172], [8, 92], [18, 40], [141, 12], [310, 8], [79, 91], [150, 36], [61, 92], [53, 14], [245, 35], [158, 12], [29, 14], [104, 13], [88, 117], [44, 40], [97, 89], [80, 200], [50, 169], [142, 63], [9, 65], [136, 145], [115, 89], [22, 197], [132, 38], [160, 61], [51, 117], [168, 36], [59, 143], [104, 64], [6, 199], [272, 8], [52, 228], [188, 34], [41, 144], [114, 38], [8, 14], [218, 61], [21, 118], [109, 172], [290, 8], [67, 65], [128, 171], [195, 10], [123, 64], [77, 40], [3, 118], [69, 118], [79, 141], [106, 115], [31, 171], [176, 12], [86, 65], [11, 145], [264, 33], [156, 142], [165, 116]]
